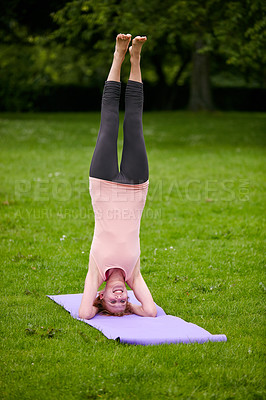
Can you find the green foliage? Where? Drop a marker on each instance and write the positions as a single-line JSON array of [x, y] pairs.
[[73, 42], [241, 36], [232, 29], [202, 255]]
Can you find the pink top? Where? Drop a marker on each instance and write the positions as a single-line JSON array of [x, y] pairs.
[[118, 208]]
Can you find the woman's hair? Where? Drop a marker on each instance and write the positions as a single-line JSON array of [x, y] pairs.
[[100, 304]]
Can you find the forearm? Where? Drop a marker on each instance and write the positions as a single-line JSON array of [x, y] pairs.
[[143, 295], [87, 309], [139, 310], [87, 312]]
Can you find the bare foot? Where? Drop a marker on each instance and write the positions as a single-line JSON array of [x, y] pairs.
[[122, 42], [135, 49]]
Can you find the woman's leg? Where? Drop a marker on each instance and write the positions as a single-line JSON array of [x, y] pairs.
[[104, 164], [134, 163]]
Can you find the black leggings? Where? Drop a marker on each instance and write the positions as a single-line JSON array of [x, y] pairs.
[[134, 163]]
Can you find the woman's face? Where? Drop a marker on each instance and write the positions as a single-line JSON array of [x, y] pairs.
[[115, 297]]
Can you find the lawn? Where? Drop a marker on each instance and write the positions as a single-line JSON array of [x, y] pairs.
[[202, 256]]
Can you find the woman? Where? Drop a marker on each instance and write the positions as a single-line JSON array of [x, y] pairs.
[[118, 198]]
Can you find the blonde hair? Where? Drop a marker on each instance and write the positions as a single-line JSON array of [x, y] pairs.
[[101, 305]]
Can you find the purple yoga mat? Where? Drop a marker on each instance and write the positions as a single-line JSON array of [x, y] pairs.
[[134, 329]]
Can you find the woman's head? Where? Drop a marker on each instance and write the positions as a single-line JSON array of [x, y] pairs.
[[105, 310], [113, 300]]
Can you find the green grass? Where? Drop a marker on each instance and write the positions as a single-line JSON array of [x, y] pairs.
[[202, 240]]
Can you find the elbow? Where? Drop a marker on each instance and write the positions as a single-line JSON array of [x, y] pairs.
[[152, 313], [84, 315]]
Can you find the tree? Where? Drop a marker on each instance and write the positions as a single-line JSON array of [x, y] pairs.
[[187, 40], [184, 35], [27, 61], [21, 19]]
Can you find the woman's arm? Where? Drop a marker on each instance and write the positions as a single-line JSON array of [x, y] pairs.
[[92, 283], [142, 294], [139, 310]]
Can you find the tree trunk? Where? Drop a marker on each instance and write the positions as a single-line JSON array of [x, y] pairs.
[[161, 86], [200, 86]]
